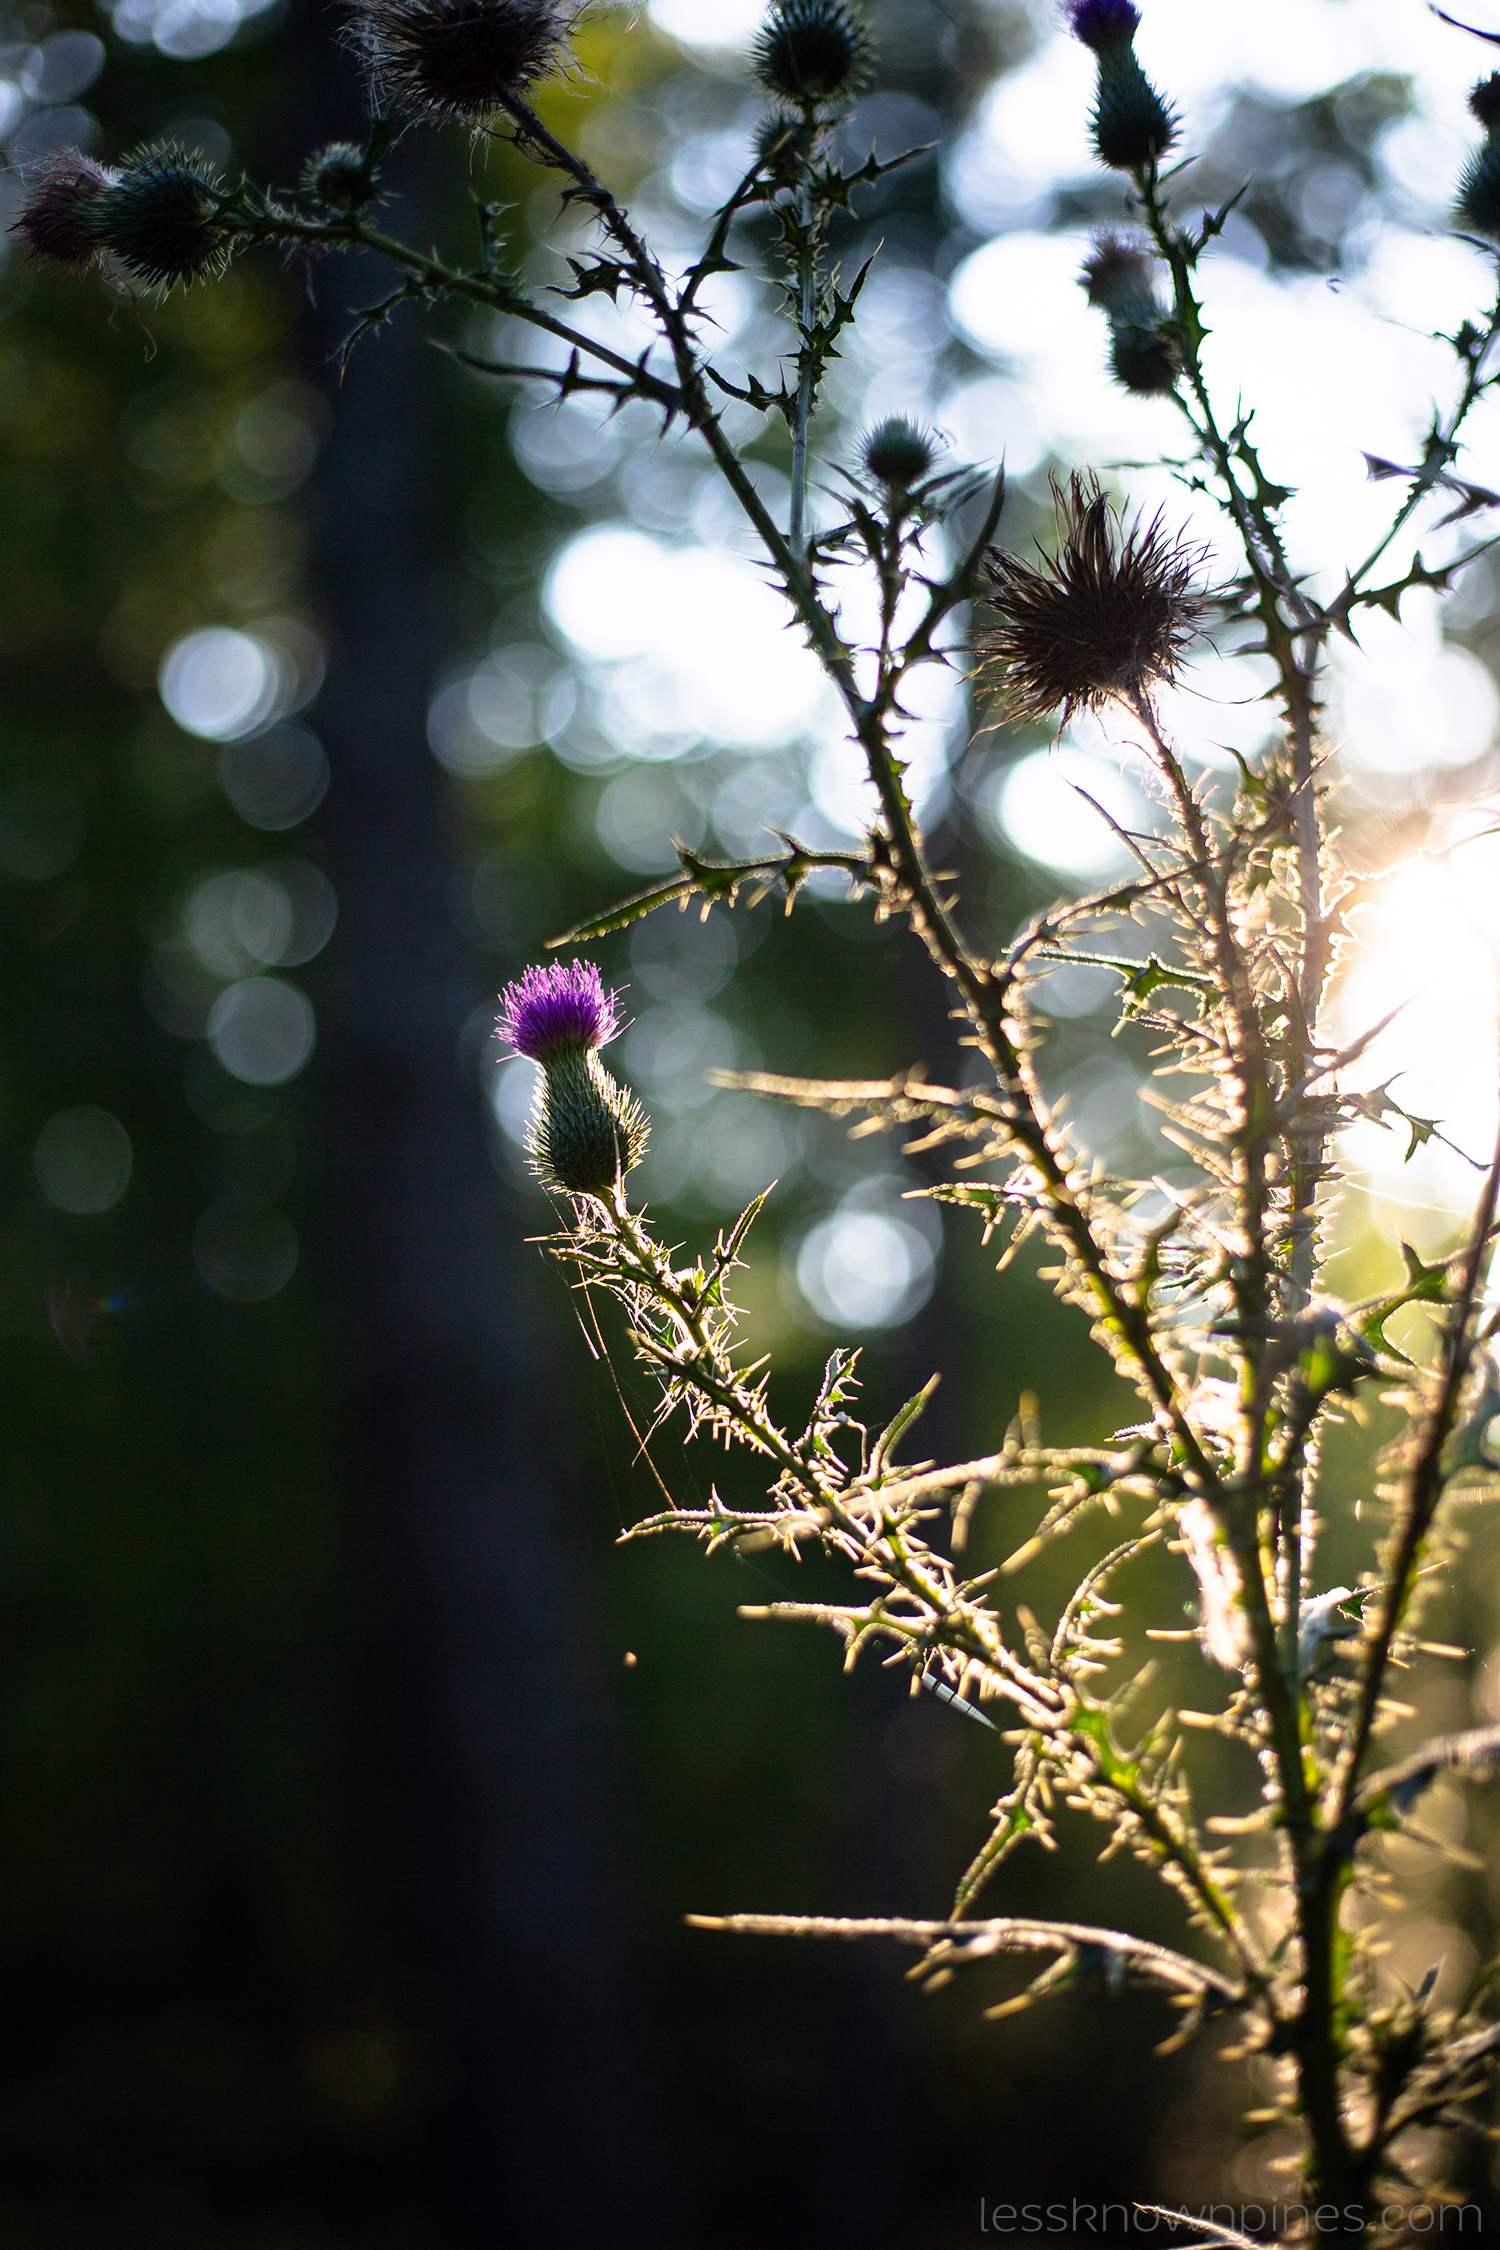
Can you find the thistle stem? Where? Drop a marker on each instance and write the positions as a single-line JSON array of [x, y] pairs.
[[807, 291]]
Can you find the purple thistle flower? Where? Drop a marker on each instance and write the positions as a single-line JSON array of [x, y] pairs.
[[1103, 23], [59, 219], [559, 1010]]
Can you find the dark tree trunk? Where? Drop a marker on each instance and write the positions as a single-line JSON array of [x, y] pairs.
[[490, 1817]]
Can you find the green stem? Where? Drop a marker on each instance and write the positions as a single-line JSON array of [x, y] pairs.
[[807, 289]]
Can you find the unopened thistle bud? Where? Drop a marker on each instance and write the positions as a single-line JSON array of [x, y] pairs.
[[339, 176], [586, 1132], [1484, 101], [59, 220], [1478, 204], [1104, 620], [162, 219], [1132, 124], [898, 453], [1117, 279], [458, 61], [781, 145], [813, 53]]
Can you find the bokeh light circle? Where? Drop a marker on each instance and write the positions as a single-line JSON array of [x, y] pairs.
[[83, 1160], [262, 1030]]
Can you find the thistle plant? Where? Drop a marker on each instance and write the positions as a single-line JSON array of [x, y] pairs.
[[1207, 1293]]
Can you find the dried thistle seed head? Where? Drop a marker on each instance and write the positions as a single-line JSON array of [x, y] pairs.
[[59, 219], [162, 219], [814, 53], [1484, 101], [458, 61], [899, 453], [557, 1011], [1101, 621], [337, 176]]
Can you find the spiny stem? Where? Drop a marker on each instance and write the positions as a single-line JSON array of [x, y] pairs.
[[1424, 1485], [807, 286]]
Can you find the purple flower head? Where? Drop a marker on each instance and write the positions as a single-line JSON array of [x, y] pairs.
[[560, 1010], [1103, 23], [58, 218]]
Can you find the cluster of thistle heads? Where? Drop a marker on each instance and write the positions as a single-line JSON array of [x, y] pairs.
[[160, 217], [164, 218], [1105, 619]]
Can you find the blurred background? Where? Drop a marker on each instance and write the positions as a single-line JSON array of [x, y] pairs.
[[345, 1854]]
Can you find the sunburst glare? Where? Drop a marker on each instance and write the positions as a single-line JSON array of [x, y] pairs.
[[1426, 945]]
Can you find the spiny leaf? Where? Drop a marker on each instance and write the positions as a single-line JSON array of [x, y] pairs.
[[604, 277], [899, 1423], [831, 188], [714, 880], [1015, 1821], [754, 393]]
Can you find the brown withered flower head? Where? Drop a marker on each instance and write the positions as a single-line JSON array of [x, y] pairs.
[[1104, 620], [458, 61]]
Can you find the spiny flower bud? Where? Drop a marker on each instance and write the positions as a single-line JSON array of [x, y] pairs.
[[162, 219], [1478, 205], [338, 176], [586, 1132], [1484, 101], [458, 61], [1132, 124], [1103, 621], [59, 219], [781, 144], [815, 53], [898, 453], [1117, 279]]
